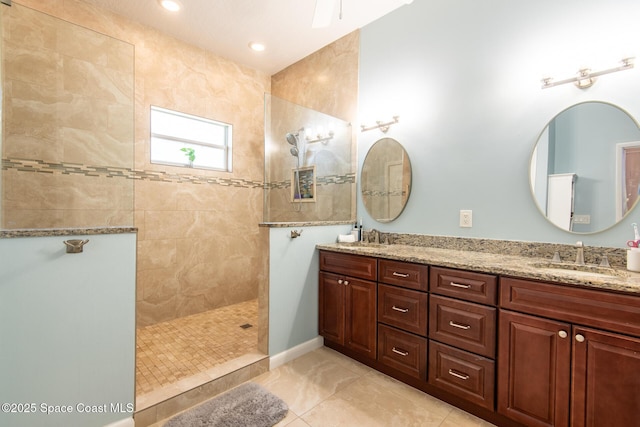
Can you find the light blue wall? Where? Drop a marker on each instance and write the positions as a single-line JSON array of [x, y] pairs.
[[67, 329], [293, 284], [464, 76]]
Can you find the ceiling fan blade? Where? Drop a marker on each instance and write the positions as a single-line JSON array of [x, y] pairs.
[[323, 13]]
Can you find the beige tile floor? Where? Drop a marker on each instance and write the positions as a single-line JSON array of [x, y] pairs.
[[324, 388], [169, 352]]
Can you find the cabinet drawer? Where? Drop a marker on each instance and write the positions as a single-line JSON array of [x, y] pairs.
[[463, 324], [403, 351], [403, 308], [350, 265], [589, 307], [463, 374], [405, 274], [466, 285]]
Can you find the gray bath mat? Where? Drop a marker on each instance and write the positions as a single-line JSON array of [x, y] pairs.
[[248, 405]]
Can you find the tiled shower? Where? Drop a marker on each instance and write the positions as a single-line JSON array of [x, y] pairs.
[[75, 154]]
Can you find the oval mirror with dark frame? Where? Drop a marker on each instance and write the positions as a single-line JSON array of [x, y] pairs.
[[585, 167], [385, 180]]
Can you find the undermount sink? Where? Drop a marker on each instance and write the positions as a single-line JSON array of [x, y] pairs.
[[587, 270]]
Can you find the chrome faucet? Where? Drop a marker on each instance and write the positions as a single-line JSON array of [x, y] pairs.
[[580, 253], [376, 235]]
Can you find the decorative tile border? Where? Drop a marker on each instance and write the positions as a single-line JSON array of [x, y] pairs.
[[349, 178], [66, 168]]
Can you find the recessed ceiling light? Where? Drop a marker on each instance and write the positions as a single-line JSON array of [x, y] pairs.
[[170, 5], [258, 47]]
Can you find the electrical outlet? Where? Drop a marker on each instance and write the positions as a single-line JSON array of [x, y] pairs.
[[466, 218], [582, 219]]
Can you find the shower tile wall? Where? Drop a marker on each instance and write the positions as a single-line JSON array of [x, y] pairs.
[[199, 244], [325, 81], [68, 115]]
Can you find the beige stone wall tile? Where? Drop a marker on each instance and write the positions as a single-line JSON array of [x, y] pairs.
[[30, 115], [156, 196], [22, 191], [120, 127], [169, 224], [88, 147], [31, 65], [78, 191], [30, 28], [156, 254], [83, 113], [326, 80], [159, 284], [138, 222], [95, 217], [32, 218], [93, 80], [149, 313]]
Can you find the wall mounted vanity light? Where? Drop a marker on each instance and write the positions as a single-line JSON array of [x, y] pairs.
[[384, 127], [321, 136], [586, 78]]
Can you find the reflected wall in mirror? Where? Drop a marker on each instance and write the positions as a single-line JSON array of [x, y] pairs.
[[585, 167], [298, 138], [385, 180]]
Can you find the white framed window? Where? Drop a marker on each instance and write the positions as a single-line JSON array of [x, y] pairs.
[[179, 139]]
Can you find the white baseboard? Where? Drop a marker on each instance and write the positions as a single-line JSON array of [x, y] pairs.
[[295, 352], [127, 422]]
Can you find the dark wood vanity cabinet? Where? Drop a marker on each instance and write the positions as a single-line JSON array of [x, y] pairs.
[[347, 311], [517, 352], [402, 316], [534, 370], [462, 334], [554, 372]]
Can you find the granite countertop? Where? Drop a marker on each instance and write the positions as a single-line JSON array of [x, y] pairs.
[[45, 232], [510, 265]]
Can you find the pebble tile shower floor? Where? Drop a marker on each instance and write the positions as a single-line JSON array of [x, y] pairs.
[[170, 351]]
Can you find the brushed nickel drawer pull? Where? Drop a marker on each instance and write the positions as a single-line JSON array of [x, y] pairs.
[[400, 352], [401, 310], [457, 375], [459, 285], [395, 273], [458, 325]]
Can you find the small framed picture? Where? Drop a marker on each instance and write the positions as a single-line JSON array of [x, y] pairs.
[[303, 184]]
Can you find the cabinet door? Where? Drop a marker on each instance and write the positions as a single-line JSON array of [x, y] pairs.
[[606, 379], [360, 330], [332, 291], [533, 370]]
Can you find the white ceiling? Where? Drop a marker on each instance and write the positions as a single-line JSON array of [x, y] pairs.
[[226, 27]]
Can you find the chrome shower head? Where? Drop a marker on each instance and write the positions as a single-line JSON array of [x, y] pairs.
[[292, 139], [294, 151]]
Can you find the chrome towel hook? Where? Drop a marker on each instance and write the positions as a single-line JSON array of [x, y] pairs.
[[75, 246], [295, 233]]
